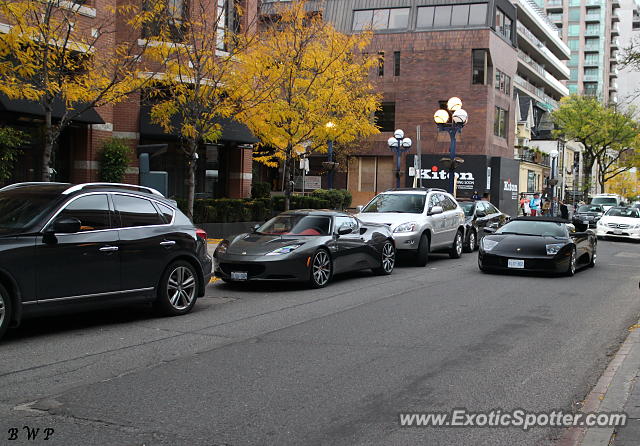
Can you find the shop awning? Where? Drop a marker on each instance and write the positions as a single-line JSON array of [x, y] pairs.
[[32, 108], [232, 130]]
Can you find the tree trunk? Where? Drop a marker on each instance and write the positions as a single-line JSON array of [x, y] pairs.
[[191, 178], [49, 141], [586, 176], [287, 178]]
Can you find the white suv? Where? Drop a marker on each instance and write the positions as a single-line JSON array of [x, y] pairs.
[[607, 201], [422, 220]]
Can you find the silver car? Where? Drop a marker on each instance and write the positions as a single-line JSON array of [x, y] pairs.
[[421, 220]]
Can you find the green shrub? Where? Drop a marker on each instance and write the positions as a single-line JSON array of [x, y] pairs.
[[10, 141], [260, 190], [337, 198], [114, 160]]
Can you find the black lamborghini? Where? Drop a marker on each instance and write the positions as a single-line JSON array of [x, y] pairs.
[[538, 244], [306, 245]]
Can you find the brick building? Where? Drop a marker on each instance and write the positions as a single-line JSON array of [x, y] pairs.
[[224, 168], [429, 51]]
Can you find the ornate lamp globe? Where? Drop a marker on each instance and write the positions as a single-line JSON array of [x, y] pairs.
[[460, 116], [454, 104], [441, 116], [392, 142], [399, 134]]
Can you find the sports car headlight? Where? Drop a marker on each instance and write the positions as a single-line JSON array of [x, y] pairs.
[[406, 227], [284, 250], [488, 245], [636, 226], [554, 248], [222, 247]]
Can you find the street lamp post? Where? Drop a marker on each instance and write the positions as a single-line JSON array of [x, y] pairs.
[[451, 120], [399, 144], [330, 165], [552, 180]]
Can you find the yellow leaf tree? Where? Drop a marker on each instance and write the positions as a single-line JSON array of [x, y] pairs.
[[194, 88], [53, 54], [626, 184], [307, 74]]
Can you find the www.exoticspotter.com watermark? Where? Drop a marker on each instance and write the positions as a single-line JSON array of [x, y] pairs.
[[511, 418]]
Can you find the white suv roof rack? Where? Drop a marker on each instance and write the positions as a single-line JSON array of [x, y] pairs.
[[78, 187], [30, 183]]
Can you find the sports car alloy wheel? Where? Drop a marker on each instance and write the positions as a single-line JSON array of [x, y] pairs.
[[320, 269], [181, 288], [387, 261]]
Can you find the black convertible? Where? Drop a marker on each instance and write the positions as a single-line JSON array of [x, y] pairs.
[[306, 245], [538, 244]]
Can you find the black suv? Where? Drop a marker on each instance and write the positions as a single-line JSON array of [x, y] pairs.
[[76, 247]]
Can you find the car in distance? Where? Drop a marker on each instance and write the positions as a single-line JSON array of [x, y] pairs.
[[538, 244], [619, 222], [421, 220], [306, 245], [479, 215], [607, 201], [589, 214], [70, 247]]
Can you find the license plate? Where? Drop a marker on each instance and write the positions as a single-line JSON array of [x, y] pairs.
[[238, 275], [585, 222], [617, 232], [515, 263]]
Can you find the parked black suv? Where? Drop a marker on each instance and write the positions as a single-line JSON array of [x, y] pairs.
[[70, 247]]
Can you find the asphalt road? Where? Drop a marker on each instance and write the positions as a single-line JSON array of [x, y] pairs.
[[280, 364]]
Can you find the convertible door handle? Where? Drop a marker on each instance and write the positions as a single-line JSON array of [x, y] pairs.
[[108, 249], [168, 243]]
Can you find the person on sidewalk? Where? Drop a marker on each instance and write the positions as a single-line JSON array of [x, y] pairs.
[[535, 204], [524, 205], [475, 196], [564, 210]]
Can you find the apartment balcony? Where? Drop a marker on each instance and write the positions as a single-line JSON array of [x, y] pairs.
[[591, 62], [530, 155], [554, 5], [592, 31], [615, 3], [594, 2], [613, 86], [537, 50], [591, 77], [615, 16], [615, 30], [536, 22], [615, 43], [613, 97], [593, 17], [536, 92]]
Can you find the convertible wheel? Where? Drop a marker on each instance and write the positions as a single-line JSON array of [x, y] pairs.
[[321, 269], [571, 270], [178, 289], [5, 310], [471, 244], [456, 248], [422, 256], [594, 256], [388, 260]]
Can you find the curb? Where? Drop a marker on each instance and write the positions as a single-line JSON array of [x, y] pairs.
[[610, 393]]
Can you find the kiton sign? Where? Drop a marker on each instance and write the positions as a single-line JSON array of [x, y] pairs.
[[464, 180], [511, 187]]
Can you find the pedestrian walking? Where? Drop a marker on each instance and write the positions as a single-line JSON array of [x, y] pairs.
[[564, 210], [475, 196], [524, 205], [535, 205]]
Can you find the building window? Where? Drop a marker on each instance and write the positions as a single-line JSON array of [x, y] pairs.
[[500, 123], [574, 14], [381, 63], [380, 19], [449, 16], [573, 88], [222, 22], [591, 89], [574, 74], [385, 117], [503, 82], [574, 30], [480, 67], [531, 181], [396, 63], [574, 44], [503, 24]]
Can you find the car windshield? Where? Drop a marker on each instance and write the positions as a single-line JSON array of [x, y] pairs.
[[405, 203], [608, 201], [623, 212], [532, 227], [20, 209], [296, 224], [590, 208], [467, 207]]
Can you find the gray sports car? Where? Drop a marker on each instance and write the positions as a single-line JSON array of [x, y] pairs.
[[306, 245]]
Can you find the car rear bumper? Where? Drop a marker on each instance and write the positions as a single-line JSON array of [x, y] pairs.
[[497, 262], [261, 268]]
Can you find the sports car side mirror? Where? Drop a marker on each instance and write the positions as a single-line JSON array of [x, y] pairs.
[[436, 210], [345, 229], [489, 229], [255, 227]]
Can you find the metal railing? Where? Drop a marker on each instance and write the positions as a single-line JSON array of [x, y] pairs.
[[532, 63]]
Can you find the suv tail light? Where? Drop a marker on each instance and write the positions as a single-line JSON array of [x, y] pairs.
[[201, 233]]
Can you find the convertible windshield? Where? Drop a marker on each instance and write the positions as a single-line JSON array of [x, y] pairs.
[[531, 227], [20, 209], [590, 208], [623, 212], [296, 224], [467, 207], [608, 201], [405, 203]]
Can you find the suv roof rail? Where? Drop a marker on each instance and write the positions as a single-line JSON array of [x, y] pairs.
[[78, 187], [29, 183], [425, 189]]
